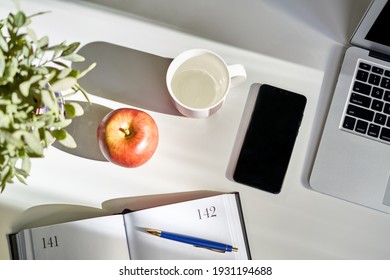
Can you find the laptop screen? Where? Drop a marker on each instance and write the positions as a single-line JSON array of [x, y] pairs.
[[372, 32], [379, 31]]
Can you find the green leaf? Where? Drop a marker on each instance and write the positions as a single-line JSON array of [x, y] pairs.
[[5, 120], [20, 176], [70, 49], [59, 134], [64, 84], [3, 44], [2, 62], [48, 100], [61, 124], [10, 71], [64, 138], [75, 74], [35, 79], [83, 73], [73, 109], [32, 35], [74, 57], [33, 143], [44, 81], [43, 42], [64, 73], [5, 101], [15, 99], [68, 141], [57, 48], [11, 138], [48, 138], [47, 118], [11, 108], [70, 110], [59, 63], [26, 164], [24, 88], [20, 19], [20, 115], [5, 176]]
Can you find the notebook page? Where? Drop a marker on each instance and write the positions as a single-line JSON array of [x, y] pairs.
[[207, 218], [89, 239]]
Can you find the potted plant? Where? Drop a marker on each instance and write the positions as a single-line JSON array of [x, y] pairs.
[[34, 79]]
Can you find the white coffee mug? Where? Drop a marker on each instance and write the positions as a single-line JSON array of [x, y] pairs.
[[198, 81]]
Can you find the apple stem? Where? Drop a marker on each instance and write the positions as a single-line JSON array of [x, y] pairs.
[[125, 131]]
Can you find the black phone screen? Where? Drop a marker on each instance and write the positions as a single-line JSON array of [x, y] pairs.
[[269, 139]]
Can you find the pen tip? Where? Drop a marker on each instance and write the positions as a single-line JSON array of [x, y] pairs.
[[235, 249], [154, 232]]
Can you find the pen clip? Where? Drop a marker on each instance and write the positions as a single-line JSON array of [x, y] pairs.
[[214, 250]]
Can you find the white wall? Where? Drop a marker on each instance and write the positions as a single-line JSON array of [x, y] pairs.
[[307, 27]]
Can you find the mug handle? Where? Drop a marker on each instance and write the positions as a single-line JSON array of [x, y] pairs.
[[237, 74]]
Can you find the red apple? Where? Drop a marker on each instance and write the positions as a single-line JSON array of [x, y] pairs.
[[128, 137]]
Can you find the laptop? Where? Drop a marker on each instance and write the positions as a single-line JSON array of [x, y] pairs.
[[353, 157]]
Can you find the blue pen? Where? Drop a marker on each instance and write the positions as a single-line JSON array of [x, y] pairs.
[[197, 242]]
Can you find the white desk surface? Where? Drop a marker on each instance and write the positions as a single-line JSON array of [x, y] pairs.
[[193, 154]]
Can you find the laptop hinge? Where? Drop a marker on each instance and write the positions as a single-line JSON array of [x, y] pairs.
[[379, 55]]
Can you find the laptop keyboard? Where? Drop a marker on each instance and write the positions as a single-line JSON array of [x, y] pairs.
[[367, 112]]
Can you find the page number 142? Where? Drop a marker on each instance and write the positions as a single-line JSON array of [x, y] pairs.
[[207, 213]]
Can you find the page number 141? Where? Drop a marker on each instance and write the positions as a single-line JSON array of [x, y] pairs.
[[50, 242]]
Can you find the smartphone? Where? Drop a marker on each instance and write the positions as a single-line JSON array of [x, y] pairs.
[[269, 140]]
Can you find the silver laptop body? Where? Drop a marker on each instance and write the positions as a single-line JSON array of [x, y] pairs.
[[353, 157]]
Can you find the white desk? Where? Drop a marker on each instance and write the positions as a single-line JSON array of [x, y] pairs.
[[298, 223]]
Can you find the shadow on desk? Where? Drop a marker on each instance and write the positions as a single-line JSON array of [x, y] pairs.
[[253, 91], [123, 75], [127, 76], [48, 214], [84, 129]]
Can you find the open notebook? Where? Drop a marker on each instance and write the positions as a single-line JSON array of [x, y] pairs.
[[216, 218]]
